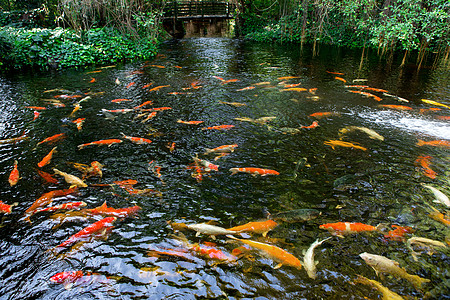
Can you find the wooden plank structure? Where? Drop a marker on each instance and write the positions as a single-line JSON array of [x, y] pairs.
[[185, 10]]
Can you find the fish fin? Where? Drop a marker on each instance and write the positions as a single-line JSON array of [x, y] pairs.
[[233, 171], [278, 266], [264, 234], [213, 237], [197, 234], [68, 285]]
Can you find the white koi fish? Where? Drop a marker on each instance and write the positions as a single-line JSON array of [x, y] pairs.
[[308, 259]]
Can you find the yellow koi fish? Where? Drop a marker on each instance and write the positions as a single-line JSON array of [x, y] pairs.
[[435, 103]]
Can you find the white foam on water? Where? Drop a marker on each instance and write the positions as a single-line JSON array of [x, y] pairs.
[[408, 122]]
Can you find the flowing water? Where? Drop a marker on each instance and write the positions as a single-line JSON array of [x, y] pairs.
[[379, 185]]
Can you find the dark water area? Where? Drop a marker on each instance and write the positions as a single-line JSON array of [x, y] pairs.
[[382, 184]]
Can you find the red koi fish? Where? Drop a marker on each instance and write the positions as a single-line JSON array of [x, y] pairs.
[[436, 143], [208, 166], [443, 117], [47, 177], [158, 88], [335, 73], [79, 122], [375, 90], [323, 114], [144, 104], [313, 125], [136, 140], [127, 182], [46, 160], [36, 107], [220, 78], [342, 228], [340, 79], [108, 142], [120, 100], [130, 84], [53, 138], [99, 226], [219, 127], [5, 208], [367, 95], [147, 85], [190, 122], [47, 199], [104, 210], [171, 146], [398, 234], [14, 175], [262, 227], [150, 116], [424, 162], [424, 110], [36, 115], [399, 107], [64, 206], [66, 277], [254, 171], [246, 88]]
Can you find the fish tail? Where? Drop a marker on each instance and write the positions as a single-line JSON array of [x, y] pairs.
[[417, 281], [80, 147], [233, 171]]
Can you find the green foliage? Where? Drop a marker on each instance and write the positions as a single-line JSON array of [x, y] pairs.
[[62, 48]]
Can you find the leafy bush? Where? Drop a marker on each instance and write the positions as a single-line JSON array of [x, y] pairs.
[[62, 48]]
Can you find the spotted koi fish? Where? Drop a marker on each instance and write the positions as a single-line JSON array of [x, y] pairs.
[[219, 127], [14, 175], [136, 140], [107, 142], [341, 228], [254, 171]]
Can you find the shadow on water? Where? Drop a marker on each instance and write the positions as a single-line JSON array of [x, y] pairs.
[[196, 78]]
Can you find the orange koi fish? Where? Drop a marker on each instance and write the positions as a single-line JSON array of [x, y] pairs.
[[367, 95], [208, 166], [99, 226], [341, 228], [254, 171], [130, 85], [323, 114], [219, 127], [147, 85], [144, 104], [77, 108], [443, 117], [46, 160], [190, 122], [92, 72], [158, 88], [375, 90], [398, 234], [437, 216], [14, 175], [92, 80], [312, 91], [136, 140], [127, 182], [150, 116], [340, 79], [220, 78], [262, 227], [5, 208], [222, 149], [287, 77], [79, 122], [281, 256], [64, 206], [171, 146], [47, 177], [436, 143], [36, 107], [123, 110], [313, 125], [291, 85], [108, 142], [104, 210], [246, 88], [119, 100], [399, 107], [335, 73], [158, 108], [357, 86], [47, 198], [158, 66], [424, 162], [424, 110], [295, 89], [53, 138], [95, 169], [230, 80], [36, 115], [334, 143]]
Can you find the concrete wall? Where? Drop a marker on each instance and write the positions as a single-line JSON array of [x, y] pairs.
[[214, 27]]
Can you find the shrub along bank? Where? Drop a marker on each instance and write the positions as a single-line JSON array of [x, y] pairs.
[[60, 48]]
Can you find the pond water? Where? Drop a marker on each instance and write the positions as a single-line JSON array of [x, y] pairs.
[[375, 181]]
